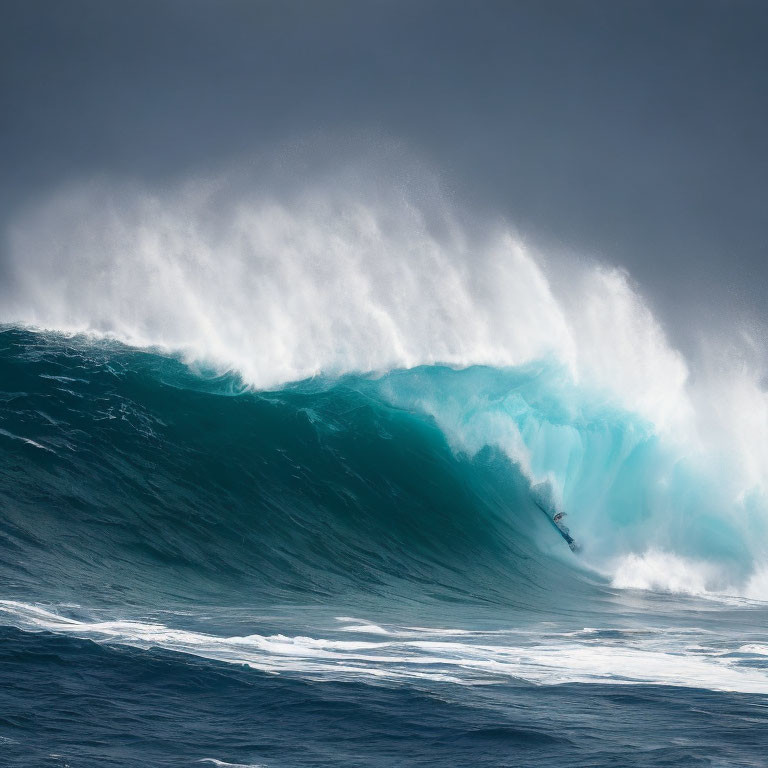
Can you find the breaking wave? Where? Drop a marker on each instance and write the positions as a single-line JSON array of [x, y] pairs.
[[345, 299]]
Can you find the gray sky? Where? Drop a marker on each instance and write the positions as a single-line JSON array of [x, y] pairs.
[[633, 130]]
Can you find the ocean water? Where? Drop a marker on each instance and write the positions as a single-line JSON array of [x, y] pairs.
[[336, 572], [278, 484]]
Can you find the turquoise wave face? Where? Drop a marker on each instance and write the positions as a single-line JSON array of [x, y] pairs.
[[125, 476], [624, 488]]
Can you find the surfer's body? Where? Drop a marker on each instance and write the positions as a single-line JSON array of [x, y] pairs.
[[564, 532], [562, 529]]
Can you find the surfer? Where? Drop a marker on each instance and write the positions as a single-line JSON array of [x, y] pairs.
[[542, 498], [556, 518], [564, 532]]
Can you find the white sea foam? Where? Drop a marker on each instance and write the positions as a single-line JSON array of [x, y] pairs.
[[757, 586], [667, 572], [663, 571], [666, 658]]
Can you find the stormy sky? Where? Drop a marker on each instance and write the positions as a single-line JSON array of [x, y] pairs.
[[633, 131]]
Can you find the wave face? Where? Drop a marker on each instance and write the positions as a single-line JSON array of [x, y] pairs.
[[374, 485], [123, 462]]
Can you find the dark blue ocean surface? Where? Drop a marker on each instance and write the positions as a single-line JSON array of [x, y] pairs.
[[338, 574], [70, 702]]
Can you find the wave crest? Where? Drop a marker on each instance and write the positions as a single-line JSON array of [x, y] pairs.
[[327, 280]]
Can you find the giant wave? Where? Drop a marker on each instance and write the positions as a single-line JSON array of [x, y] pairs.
[[390, 295]]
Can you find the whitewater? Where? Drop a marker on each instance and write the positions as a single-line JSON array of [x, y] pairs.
[[237, 414]]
